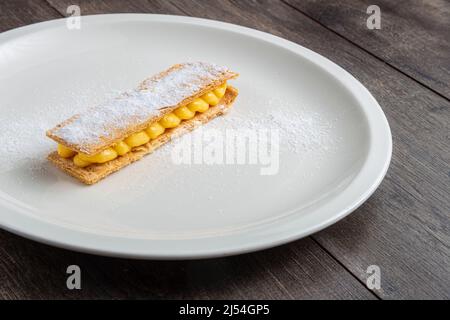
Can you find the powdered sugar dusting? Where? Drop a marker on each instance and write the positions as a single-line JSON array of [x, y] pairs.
[[302, 131], [305, 134], [139, 105]]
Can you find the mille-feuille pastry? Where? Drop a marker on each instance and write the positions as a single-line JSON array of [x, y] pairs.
[[108, 137]]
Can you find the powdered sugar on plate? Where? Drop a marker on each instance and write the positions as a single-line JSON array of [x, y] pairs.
[[302, 131]]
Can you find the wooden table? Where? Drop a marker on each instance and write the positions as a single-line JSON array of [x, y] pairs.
[[404, 228]]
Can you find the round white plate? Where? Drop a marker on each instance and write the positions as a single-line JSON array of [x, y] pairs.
[[156, 209]]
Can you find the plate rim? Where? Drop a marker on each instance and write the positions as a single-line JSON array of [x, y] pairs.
[[378, 156]]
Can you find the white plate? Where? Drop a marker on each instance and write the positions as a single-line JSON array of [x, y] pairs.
[[155, 209]]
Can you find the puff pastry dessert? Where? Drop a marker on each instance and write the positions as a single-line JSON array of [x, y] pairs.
[[108, 137]]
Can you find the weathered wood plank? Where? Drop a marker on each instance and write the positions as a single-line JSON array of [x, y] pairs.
[[14, 14], [404, 227], [414, 36], [30, 270]]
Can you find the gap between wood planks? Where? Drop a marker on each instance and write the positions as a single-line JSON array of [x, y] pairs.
[[345, 267], [54, 9], [365, 50]]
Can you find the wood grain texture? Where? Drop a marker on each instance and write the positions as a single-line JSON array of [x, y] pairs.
[[30, 270], [414, 35], [17, 13], [118, 6], [404, 227], [302, 270]]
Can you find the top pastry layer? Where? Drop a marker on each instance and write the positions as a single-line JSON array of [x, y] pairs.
[[99, 127]]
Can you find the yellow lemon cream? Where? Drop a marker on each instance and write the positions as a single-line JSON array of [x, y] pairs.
[[168, 121]]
